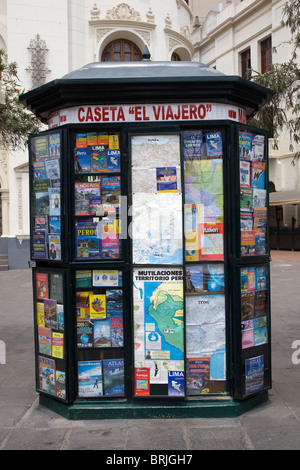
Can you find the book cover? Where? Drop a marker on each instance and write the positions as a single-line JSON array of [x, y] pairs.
[[87, 242], [54, 145], [113, 377], [41, 223], [142, 381], [39, 244], [83, 305], [258, 175], [56, 287], [254, 377], [85, 334], [41, 281], [198, 375], [113, 158], [50, 313], [259, 197], [83, 278], [213, 143], [54, 246], [54, 224], [246, 220], [53, 169], [82, 160], [211, 241], [260, 219], [83, 193], [116, 325], [60, 317], [248, 243], [40, 315], [97, 306], [193, 144], [90, 379], [245, 174], [42, 203], [44, 339], [104, 278], [261, 303], [245, 145], [91, 138], [96, 206], [261, 278], [258, 147], [102, 138], [54, 201], [194, 279], [57, 345], [214, 280], [176, 383], [166, 180], [40, 147], [39, 170], [113, 142], [81, 140], [246, 200], [46, 375], [260, 244], [111, 191], [60, 384], [98, 158], [247, 303], [102, 338]]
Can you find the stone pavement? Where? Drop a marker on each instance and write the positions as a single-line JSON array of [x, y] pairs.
[[25, 425]]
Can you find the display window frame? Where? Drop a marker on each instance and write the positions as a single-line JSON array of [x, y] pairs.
[[64, 362], [59, 235], [260, 352]]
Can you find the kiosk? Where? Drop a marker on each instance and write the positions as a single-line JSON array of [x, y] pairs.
[[150, 237]]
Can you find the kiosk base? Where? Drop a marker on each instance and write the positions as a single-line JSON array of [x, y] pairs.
[[220, 407]]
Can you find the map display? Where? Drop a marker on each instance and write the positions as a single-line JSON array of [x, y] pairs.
[[159, 322], [205, 331], [156, 200], [204, 211]]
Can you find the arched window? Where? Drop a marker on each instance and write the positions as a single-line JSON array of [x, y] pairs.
[[121, 50], [175, 57]]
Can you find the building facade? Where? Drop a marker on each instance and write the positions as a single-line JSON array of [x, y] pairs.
[[47, 41]]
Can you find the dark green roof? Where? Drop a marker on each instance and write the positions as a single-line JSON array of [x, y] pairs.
[[144, 82]]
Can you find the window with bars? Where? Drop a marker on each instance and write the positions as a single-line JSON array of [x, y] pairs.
[[121, 50]]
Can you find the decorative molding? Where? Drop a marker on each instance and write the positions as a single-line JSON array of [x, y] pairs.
[[123, 12], [168, 21], [182, 3], [38, 69], [150, 16], [176, 39], [95, 12]]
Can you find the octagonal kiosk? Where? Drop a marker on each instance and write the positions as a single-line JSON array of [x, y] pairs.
[[149, 233]]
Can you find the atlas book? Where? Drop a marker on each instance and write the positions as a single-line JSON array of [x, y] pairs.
[[113, 377], [98, 158]]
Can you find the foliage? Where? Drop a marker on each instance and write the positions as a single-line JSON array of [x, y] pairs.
[[283, 110], [16, 122]]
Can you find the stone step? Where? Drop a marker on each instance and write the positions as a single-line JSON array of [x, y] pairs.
[[3, 262]]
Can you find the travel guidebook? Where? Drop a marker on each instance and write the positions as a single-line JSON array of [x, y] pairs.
[[113, 375], [88, 244], [90, 379], [198, 375]]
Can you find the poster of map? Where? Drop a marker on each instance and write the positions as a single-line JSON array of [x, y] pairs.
[[159, 322], [205, 331], [204, 209], [156, 228]]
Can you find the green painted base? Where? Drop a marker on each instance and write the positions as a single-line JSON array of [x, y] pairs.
[[206, 408]]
